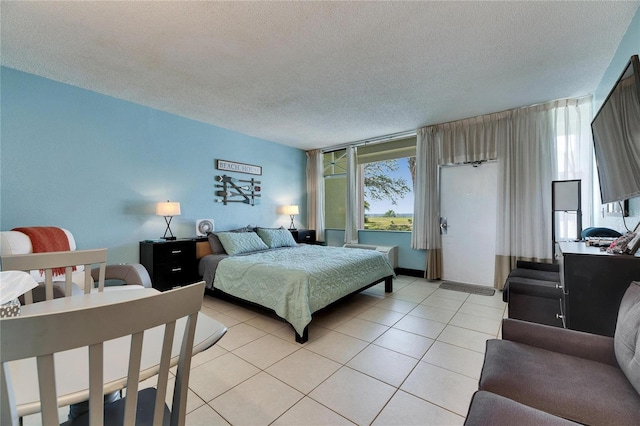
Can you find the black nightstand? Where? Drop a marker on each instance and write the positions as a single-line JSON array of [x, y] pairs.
[[306, 236], [170, 263]]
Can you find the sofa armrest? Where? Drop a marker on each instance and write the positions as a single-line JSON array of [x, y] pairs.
[[570, 342], [131, 274]]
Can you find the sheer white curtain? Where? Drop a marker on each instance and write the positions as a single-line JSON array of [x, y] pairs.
[[574, 158], [547, 142], [426, 204], [525, 172], [352, 210], [315, 193]]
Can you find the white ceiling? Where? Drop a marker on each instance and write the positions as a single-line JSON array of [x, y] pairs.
[[316, 74]]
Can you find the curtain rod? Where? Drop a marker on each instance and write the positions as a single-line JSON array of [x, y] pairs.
[[415, 132], [377, 139]]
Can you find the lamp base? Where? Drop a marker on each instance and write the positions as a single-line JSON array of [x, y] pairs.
[[169, 238]]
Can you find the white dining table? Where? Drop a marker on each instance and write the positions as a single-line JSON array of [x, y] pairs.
[[72, 369]]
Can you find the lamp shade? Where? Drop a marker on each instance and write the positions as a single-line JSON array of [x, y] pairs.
[[168, 209], [291, 209]]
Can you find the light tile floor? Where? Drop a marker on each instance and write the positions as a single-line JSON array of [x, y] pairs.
[[412, 357]]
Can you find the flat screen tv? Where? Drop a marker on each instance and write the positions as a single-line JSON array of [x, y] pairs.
[[616, 137]]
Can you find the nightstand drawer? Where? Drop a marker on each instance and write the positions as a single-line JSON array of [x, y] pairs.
[[167, 276], [304, 236], [174, 251]]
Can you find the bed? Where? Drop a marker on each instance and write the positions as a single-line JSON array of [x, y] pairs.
[[293, 280]]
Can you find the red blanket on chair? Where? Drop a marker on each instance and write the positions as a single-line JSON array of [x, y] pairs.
[[46, 239]]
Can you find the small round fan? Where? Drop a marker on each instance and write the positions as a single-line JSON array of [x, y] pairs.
[[203, 227]]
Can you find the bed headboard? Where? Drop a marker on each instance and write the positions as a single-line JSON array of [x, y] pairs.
[[203, 248]]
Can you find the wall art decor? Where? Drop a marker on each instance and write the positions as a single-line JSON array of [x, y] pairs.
[[237, 190]]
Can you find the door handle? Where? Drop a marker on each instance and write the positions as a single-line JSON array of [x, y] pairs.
[[443, 226]]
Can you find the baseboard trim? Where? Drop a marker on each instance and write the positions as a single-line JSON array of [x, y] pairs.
[[410, 272]]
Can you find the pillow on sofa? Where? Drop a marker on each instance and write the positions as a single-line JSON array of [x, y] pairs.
[[278, 237], [241, 242], [626, 340]]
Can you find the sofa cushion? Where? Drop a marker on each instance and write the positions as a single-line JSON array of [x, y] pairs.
[[574, 388], [626, 340], [487, 408]]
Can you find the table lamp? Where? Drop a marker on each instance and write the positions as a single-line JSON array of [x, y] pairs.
[[168, 210], [291, 210]]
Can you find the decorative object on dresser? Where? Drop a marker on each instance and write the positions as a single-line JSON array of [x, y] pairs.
[[292, 210], [168, 210], [170, 263], [566, 198], [232, 187], [204, 226], [306, 236]]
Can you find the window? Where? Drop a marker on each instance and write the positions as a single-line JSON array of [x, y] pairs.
[[335, 189], [388, 194], [387, 174]]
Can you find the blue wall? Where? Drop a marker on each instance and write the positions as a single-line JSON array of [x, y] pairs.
[[97, 165]]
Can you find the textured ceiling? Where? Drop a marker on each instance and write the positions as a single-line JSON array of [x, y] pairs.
[[316, 74]]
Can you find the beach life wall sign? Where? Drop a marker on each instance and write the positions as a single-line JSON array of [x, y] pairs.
[[232, 166]]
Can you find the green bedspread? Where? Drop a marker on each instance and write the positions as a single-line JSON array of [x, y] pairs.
[[297, 281]]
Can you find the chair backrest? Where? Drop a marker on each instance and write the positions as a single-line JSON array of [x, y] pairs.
[[38, 336], [61, 259]]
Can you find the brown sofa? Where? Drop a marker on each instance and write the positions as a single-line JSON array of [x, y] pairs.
[[538, 374]]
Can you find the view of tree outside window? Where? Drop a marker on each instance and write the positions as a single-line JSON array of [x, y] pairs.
[[388, 192]]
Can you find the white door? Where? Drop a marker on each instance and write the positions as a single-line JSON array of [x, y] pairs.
[[468, 197]]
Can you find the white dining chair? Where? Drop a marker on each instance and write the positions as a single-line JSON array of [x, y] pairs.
[[67, 260], [43, 335]]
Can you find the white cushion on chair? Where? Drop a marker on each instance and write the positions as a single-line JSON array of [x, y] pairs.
[[15, 242]]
